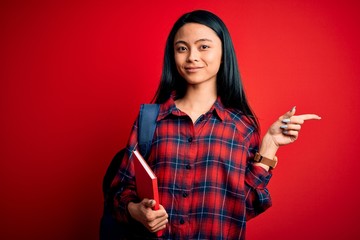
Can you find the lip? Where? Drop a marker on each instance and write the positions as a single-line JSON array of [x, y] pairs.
[[192, 69]]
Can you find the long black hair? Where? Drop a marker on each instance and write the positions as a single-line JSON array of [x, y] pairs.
[[229, 85]]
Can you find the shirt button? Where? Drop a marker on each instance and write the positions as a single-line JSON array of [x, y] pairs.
[[185, 194], [190, 139], [182, 221], [188, 167]]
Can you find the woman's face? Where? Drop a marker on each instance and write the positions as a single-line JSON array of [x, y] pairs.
[[198, 52]]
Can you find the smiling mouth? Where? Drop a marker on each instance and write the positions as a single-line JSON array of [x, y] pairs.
[[193, 69]]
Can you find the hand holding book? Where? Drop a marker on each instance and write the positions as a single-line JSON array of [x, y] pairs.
[[149, 212], [154, 220]]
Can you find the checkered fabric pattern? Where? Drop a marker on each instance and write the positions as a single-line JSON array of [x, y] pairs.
[[207, 182]]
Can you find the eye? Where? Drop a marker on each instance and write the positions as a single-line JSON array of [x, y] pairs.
[[204, 47], [181, 49]]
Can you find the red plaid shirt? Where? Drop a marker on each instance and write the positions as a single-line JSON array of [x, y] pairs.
[[206, 179]]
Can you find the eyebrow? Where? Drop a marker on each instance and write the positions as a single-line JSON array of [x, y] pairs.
[[199, 40]]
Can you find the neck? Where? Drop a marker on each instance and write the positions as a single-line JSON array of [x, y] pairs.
[[197, 100]]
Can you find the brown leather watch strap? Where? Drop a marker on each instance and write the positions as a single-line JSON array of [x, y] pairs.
[[267, 161]]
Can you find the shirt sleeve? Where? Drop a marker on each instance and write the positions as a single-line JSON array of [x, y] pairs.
[[256, 179], [123, 185]]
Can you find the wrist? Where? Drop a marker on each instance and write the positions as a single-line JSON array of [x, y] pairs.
[[130, 209], [264, 161], [266, 167], [268, 148]]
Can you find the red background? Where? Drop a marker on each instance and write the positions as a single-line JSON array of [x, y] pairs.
[[73, 74]]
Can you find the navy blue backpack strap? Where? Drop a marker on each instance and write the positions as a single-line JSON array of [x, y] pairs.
[[147, 125]]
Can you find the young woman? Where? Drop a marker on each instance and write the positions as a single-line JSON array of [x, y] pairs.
[[212, 170]]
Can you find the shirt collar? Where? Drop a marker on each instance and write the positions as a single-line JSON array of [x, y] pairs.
[[219, 109], [169, 108]]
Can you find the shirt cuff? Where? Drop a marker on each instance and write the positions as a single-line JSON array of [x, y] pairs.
[[121, 203], [257, 177]]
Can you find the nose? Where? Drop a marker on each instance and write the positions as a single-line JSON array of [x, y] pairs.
[[193, 56]]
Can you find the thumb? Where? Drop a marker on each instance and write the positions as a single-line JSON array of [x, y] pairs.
[[150, 203], [290, 113]]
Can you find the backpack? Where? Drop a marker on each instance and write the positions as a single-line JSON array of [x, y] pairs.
[[110, 229]]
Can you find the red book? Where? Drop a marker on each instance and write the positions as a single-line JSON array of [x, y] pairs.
[[146, 182]]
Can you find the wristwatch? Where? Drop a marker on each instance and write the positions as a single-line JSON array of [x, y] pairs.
[[267, 161]]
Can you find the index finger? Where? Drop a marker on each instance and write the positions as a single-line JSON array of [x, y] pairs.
[[309, 117]]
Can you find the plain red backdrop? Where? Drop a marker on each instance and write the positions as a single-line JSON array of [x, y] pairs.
[[73, 75]]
